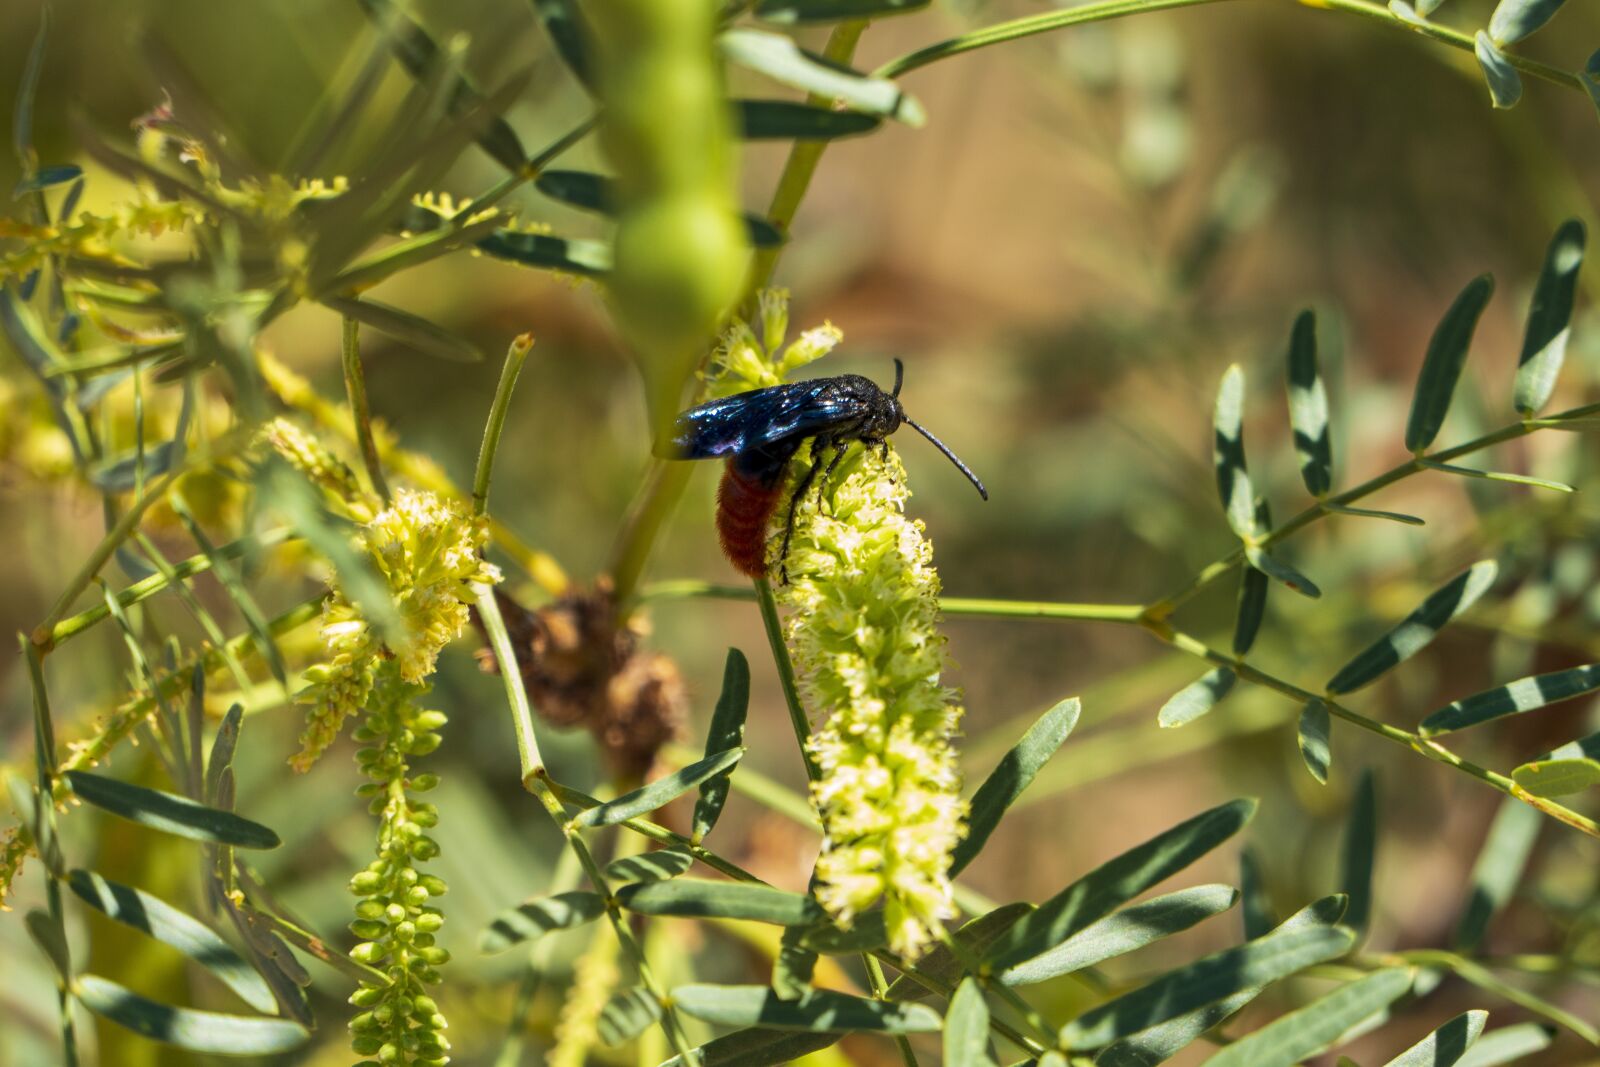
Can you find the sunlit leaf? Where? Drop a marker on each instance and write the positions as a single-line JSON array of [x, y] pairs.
[[1505, 84], [627, 1015], [1197, 698], [700, 898], [1125, 931], [662, 791], [1217, 976], [833, 10], [169, 812], [1508, 1044], [726, 732], [941, 965], [1306, 1031], [819, 1009], [1441, 368], [174, 928], [1256, 910], [1227, 455], [1159, 1043], [1498, 476], [51, 938], [966, 1028], [1373, 513], [1308, 407], [757, 1047], [186, 1028], [1418, 629], [657, 866], [1557, 777], [1013, 774], [1498, 869], [1312, 734], [222, 748], [1515, 19], [539, 916], [1544, 346], [786, 120], [1524, 694], [1279, 571], [778, 57], [1446, 1045], [1115, 882], [1359, 854]]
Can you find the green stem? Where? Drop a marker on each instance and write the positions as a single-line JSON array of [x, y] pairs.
[[45, 759], [515, 356], [355, 388], [786, 679], [521, 711], [1032, 25], [983, 607]]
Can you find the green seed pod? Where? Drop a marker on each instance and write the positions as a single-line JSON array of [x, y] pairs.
[[366, 883], [367, 929], [366, 996], [434, 885], [366, 1044], [680, 246], [424, 782]]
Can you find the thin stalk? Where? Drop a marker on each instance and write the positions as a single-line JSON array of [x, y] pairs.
[[786, 679], [528, 755], [355, 388], [45, 759], [515, 356], [1032, 25], [691, 588]]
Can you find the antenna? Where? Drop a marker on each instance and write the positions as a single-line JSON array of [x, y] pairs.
[[951, 456], [899, 373]]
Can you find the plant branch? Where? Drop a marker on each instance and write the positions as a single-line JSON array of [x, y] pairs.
[[355, 389], [515, 356]]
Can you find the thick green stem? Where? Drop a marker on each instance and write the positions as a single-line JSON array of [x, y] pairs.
[[515, 356]]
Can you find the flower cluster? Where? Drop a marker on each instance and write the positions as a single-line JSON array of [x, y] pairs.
[[399, 1023], [862, 624], [428, 551], [745, 361]]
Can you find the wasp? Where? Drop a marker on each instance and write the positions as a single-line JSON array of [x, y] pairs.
[[760, 431]]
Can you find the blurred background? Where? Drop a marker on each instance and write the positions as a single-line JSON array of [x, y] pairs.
[[1091, 226]]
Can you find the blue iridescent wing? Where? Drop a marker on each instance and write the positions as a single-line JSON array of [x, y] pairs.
[[761, 417]]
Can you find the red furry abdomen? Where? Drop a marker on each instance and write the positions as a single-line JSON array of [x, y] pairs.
[[744, 508]]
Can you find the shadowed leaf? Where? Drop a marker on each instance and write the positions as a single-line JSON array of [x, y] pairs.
[[1508, 1044], [1446, 1045], [757, 1047], [1418, 629], [539, 916], [51, 938], [46, 178], [1227, 455], [659, 792], [785, 120], [597, 193], [1524, 694], [833, 10], [974, 938], [426, 337], [702, 898], [1308, 407], [1498, 869], [1252, 609], [1279, 571], [1309, 1030], [563, 20], [169, 812], [1013, 774], [1544, 346], [657, 866], [1312, 734], [817, 1010], [1441, 368], [1359, 854], [1256, 911], [627, 1014], [587, 259], [186, 1028], [1159, 1043], [726, 732]]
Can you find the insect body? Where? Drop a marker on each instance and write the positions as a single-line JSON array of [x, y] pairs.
[[759, 431]]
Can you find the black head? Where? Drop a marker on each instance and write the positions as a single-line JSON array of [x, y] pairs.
[[899, 416]]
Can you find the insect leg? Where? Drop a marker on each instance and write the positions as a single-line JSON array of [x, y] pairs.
[[839, 449], [794, 506]]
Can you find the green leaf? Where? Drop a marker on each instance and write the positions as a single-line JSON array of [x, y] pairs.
[[941, 965], [196, 1031], [1115, 882], [1257, 911], [1557, 777], [702, 898], [627, 1015], [1309, 1030], [1498, 476], [966, 1027], [174, 928], [1505, 84], [778, 57], [169, 812], [1524, 694], [1308, 407], [657, 866], [865, 934], [1590, 76], [1160, 1043], [817, 1010], [1544, 346], [597, 193], [1441, 368], [27, 90], [586, 259], [1508, 1045], [1125, 931], [1011, 776], [1312, 734], [1222, 974], [757, 1047], [833, 10], [563, 20], [785, 120], [46, 178], [1279, 571], [726, 732], [1227, 455], [1583, 747], [222, 747], [1498, 869], [796, 963], [1252, 608], [51, 938], [1196, 698], [539, 916], [1418, 629], [1359, 855], [658, 793], [1446, 1045], [1373, 513], [426, 337], [1515, 19]]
